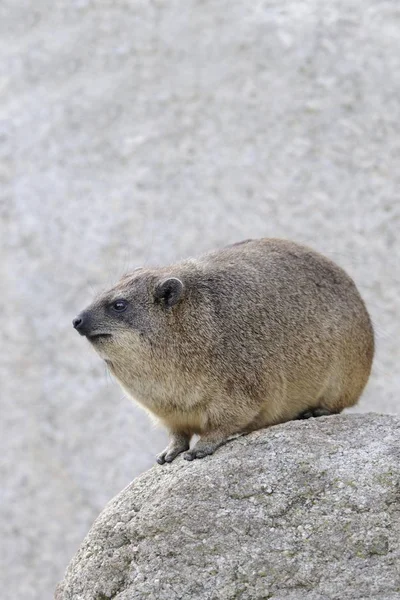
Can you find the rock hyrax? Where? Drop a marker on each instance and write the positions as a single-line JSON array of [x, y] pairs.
[[258, 333]]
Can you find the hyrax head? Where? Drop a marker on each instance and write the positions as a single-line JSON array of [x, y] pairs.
[[121, 321]]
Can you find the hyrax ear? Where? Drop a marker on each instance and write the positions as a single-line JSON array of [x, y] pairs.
[[169, 291]]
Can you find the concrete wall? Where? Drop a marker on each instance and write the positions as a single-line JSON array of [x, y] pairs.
[[138, 131]]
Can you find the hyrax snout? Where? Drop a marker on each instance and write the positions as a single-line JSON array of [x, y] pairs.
[[255, 334]]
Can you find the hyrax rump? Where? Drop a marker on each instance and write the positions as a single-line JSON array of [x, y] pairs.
[[255, 334]]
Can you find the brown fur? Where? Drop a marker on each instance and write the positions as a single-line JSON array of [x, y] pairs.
[[255, 334]]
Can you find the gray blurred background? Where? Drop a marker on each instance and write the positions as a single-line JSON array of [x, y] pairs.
[[142, 131]]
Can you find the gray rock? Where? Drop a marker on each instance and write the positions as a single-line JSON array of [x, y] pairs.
[[304, 510]]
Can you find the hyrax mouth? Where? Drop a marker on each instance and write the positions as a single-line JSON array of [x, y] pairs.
[[95, 337]]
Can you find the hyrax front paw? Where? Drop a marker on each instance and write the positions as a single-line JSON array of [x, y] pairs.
[[178, 444], [192, 454], [203, 448], [169, 454]]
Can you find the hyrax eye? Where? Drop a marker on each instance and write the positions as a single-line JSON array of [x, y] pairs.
[[119, 305]]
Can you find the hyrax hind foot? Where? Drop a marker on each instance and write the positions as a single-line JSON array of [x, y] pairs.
[[316, 412], [179, 442]]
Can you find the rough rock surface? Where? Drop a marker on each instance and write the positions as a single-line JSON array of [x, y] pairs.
[[142, 131], [301, 510]]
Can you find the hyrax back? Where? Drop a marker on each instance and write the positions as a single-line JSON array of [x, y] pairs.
[[257, 333]]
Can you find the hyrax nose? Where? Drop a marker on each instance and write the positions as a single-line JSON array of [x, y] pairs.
[[79, 324]]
